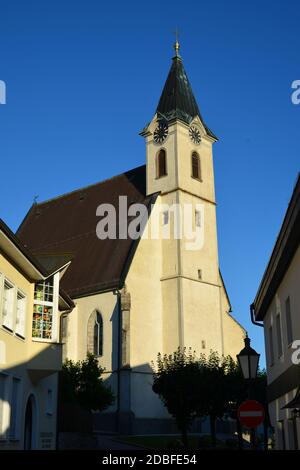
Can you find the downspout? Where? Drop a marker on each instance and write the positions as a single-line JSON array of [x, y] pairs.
[[253, 317], [118, 294]]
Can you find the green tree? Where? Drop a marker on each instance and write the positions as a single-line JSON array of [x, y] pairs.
[[176, 381], [193, 387], [82, 383]]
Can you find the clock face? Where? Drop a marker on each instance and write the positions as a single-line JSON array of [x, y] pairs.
[[195, 135], [161, 133]]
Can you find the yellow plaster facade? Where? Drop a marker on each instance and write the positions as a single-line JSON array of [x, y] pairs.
[[28, 372]]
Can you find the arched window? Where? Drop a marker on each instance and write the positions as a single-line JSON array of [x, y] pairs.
[[95, 334], [98, 335], [161, 164], [196, 170]]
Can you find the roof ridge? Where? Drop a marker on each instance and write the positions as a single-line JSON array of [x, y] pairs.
[[85, 187]]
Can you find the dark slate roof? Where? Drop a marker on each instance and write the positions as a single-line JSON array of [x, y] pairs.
[[23, 249], [177, 100], [287, 243], [66, 227], [44, 270]]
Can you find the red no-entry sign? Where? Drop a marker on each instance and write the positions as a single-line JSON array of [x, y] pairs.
[[251, 413]]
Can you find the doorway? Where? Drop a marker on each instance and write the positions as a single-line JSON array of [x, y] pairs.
[[30, 424]]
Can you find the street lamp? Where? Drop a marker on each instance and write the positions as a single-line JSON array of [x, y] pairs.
[[248, 360]]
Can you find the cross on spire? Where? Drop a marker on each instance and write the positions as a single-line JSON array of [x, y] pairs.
[[176, 45]]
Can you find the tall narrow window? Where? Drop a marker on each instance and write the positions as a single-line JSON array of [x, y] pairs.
[[289, 328], [21, 312], [161, 164], [98, 335], [43, 310], [279, 336], [271, 346], [196, 170], [8, 305], [165, 217]]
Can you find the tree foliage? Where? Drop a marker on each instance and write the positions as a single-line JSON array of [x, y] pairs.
[[191, 386], [82, 383]]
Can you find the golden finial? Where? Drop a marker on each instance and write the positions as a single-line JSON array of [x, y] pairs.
[[176, 45]]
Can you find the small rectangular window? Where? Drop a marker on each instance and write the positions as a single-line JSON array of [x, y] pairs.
[[8, 305], [21, 313], [198, 218], [166, 217], [271, 346], [199, 273], [14, 408], [289, 329], [279, 336]]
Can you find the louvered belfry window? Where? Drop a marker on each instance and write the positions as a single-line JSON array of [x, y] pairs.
[[196, 166], [161, 163]]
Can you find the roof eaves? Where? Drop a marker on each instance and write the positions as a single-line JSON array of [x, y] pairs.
[[280, 243]]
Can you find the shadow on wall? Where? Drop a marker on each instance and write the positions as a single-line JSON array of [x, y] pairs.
[[28, 392], [139, 410]]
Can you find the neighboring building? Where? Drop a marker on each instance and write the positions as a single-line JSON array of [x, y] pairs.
[[136, 298], [30, 349], [277, 304]]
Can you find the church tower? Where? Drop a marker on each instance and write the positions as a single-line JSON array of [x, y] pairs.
[[180, 168]]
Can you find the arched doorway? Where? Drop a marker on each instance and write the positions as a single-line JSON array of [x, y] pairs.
[[30, 424]]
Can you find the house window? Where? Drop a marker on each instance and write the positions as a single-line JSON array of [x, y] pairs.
[[63, 328], [198, 218], [21, 312], [98, 335], [161, 164], [196, 172], [279, 336], [199, 273], [289, 329], [43, 310], [271, 346], [14, 408], [8, 305]]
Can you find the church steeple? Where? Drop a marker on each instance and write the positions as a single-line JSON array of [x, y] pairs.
[[177, 100]]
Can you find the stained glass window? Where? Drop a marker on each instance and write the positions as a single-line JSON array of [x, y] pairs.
[[42, 322]]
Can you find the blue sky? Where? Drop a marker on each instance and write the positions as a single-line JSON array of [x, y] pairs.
[[83, 78]]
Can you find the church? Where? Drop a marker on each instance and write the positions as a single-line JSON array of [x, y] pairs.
[[135, 297]]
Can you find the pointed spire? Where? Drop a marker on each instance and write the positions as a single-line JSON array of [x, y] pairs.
[[177, 100]]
